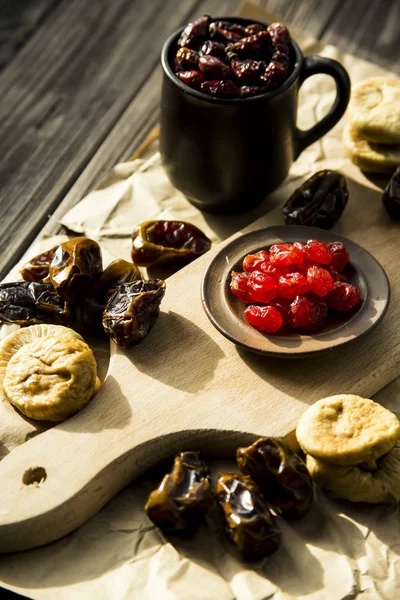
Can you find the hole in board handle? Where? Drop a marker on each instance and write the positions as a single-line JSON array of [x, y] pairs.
[[34, 476]]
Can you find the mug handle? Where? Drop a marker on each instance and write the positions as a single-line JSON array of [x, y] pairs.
[[317, 64]]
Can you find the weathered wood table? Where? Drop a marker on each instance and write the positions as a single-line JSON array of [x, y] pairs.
[[80, 84]]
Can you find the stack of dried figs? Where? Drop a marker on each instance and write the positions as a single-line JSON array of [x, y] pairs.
[[67, 284], [227, 59], [273, 479]]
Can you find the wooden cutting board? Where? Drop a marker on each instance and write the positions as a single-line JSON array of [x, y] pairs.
[[186, 386]]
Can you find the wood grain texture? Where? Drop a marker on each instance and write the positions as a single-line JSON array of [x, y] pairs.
[[187, 386]]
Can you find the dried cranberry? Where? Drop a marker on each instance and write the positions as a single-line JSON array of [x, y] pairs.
[[262, 287], [319, 280], [343, 297], [308, 314], [286, 254], [222, 88], [214, 48], [317, 252], [292, 285], [193, 79], [340, 255], [240, 286], [213, 68], [194, 32], [187, 59], [283, 305], [264, 318], [252, 262]]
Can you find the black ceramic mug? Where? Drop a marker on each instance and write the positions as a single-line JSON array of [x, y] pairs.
[[226, 155]]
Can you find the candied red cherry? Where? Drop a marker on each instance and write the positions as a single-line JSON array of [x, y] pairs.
[[264, 318], [240, 286], [283, 305], [319, 280], [275, 271], [317, 252], [308, 313], [286, 254], [292, 285], [262, 287], [340, 255], [253, 262], [343, 297]]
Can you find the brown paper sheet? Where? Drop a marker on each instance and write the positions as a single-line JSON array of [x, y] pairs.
[[338, 552]]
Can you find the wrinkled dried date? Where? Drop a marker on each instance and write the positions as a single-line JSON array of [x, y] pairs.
[[273, 76], [250, 90], [213, 68], [221, 88], [37, 268], [251, 46], [319, 202], [254, 28], [193, 78], [391, 195], [248, 521], [156, 242], [187, 59], [26, 303], [214, 48], [183, 496], [74, 266], [280, 474], [247, 71], [132, 311], [226, 31], [194, 32]]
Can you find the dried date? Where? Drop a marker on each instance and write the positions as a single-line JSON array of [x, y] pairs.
[[27, 303], [391, 195], [281, 42], [281, 475], [251, 46], [273, 76], [37, 268], [183, 496], [250, 90], [254, 28], [195, 32], [132, 311], [248, 521], [226, 31], [74, 266], [187, 59], [213, 68], [193, 78], [319, 202], [213, 48], [247, 71], [161, 242], [221, 88]]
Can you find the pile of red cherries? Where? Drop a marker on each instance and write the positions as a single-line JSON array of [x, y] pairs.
[[294, 285]]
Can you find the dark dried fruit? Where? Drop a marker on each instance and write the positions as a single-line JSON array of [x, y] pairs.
[[26, 303], [254, 28], [307, 313], [74, 266], [213, 68], [250, 90], [187, 59], [343, 297], [246, 71], [265, 318], [391, 195], [161, 242], [195, 32], [281, 475], [214, 48], [320, 201], [37, 268], [248, 521], [280, 41], [193, 78], [251, 46], [183, 496], [118, 272], [226, 31], [222, 88], [273, 76], [132, 311]]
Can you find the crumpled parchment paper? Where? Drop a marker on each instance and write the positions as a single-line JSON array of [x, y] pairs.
[[338, 552]]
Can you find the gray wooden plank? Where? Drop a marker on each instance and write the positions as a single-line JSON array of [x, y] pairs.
[[62, 115], [18, 21]]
